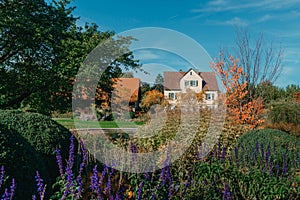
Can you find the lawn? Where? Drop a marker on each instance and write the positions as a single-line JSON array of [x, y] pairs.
[[69, 123]]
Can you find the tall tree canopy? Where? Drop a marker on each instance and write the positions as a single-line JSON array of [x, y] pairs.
[[41, 50], [260, 60]]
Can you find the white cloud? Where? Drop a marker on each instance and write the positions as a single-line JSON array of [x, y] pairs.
[[265, 18], [236, 21], [146, 55], [222, 6], [217, 3]]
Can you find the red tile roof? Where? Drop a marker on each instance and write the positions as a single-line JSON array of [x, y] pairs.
[[210, 81], [172, 80], [127, 88]]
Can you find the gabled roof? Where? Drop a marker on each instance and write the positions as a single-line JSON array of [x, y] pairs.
[[172, 80], [127, 87], [210, 81]]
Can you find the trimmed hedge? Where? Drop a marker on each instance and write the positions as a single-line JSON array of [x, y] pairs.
[[42, 135], [268, 146], [21, 161]]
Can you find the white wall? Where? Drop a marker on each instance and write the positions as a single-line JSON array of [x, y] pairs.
[[189, 77]]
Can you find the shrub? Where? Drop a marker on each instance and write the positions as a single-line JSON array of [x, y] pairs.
[[39, 130], [268, 149], [42, 134], [284, 112], [21, 161]]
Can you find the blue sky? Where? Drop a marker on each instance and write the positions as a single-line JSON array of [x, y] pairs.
[[210, 23]]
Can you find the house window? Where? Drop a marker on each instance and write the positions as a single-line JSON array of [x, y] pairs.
[[210, 96], [191, 73], [172, 95], [186, 83], [194, 83]]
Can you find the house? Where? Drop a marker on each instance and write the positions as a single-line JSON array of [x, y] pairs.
[[176, 83], [127, 90]]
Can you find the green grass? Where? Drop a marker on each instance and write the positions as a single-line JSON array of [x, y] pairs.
[[69, 123]]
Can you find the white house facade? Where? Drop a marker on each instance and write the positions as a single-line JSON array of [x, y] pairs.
[[176, 83]]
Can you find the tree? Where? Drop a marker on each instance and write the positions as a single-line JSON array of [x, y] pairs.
[[30, 30], [260, 62], [159, 83], [145, 87], [151, 98], [268, 92], [41, 50], [127, 75], [242, 108]]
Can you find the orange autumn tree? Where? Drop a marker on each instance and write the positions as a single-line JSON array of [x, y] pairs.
[[153, 97], [242, 108]]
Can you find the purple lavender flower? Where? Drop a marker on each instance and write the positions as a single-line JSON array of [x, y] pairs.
[[2, 175], [69, 167], [163, 176], [227, 193], [94, 179], [33, 197], [40, 185], [118, 197], [236, 153], [104, 172], [277, 169], [169, 177], [268, 153], [271, 169], [134, 152], [219, 149], [153, 195], [82, 165], [140, 191], [284, 167], [107, 189], [12, 188], [223, 153], [262, 151], [5, 196], [59, 163], [187, 184]]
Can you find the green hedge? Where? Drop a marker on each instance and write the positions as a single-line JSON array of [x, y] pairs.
[[42, 135], [282, 147], [21, 161]]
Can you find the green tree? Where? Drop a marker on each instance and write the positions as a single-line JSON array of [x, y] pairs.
[[159, 83], [41, 50], [30, 31]]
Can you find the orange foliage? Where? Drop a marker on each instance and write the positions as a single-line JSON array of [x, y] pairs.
[[153, 97], [243, 109], [297, 97]]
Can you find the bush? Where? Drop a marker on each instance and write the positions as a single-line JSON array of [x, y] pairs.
[[285, 112], [21, 161], [42, 134], [39, 130], [268, 149]]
